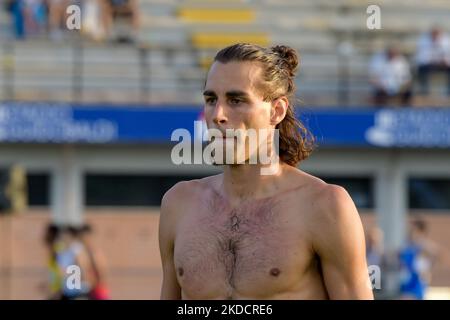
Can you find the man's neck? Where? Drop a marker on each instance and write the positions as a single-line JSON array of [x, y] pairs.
[[245, 181]]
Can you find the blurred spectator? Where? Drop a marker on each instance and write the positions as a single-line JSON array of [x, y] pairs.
[[99, 290], [387, 262], [374, 244], [115, 11], [92, 25], [391, 77], [73, 254], [57, 17], [433, 55], [72, 246], [417, 259], [29, 17], [16, 9], [35, 14], [53, 289]]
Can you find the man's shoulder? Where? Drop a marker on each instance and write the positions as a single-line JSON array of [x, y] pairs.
[[178, 199], [334, 198], [328, 211], [187, 190], [334, 209], [325, 199], [304, 183]]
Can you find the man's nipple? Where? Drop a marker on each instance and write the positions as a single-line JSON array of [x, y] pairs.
[[275, 272]]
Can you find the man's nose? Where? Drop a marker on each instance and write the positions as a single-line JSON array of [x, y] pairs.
[[219, 116]]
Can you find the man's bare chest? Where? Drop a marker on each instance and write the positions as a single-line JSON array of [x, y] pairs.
[[256, 245]]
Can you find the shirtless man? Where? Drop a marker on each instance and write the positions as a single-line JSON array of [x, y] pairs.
[[243, 235]]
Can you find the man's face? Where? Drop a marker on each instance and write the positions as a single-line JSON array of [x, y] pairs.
[[233, 101]]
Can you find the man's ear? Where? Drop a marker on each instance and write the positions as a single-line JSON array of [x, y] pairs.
[[278, 111]]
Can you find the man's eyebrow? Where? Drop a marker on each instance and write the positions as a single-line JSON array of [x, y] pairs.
[[229, 94], [209, 93], [237, 94]]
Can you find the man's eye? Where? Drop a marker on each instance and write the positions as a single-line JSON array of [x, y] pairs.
[[235, 101], [210, 100]]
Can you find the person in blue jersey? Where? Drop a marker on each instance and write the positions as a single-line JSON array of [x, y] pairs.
[[417, 258]]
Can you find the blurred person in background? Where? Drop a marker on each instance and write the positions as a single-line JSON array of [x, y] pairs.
[[93, 27], [417, 259], [390, 76], [57, 18], [374, 246], [433, 56], [35, 13], [376, 256], [96, 267], [73, 253], [16, 10], [115, 11], [54, 284]]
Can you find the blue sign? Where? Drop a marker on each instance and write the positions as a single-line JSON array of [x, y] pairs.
[[67, 123], [414, 128]]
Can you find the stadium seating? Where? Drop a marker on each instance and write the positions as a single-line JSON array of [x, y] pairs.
[[181, 38]]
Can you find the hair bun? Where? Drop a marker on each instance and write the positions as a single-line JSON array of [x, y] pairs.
[[289, 57]]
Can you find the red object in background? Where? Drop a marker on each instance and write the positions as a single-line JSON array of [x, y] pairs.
[[100, 292]]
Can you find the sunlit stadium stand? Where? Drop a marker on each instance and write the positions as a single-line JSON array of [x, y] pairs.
[[178, 39]]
